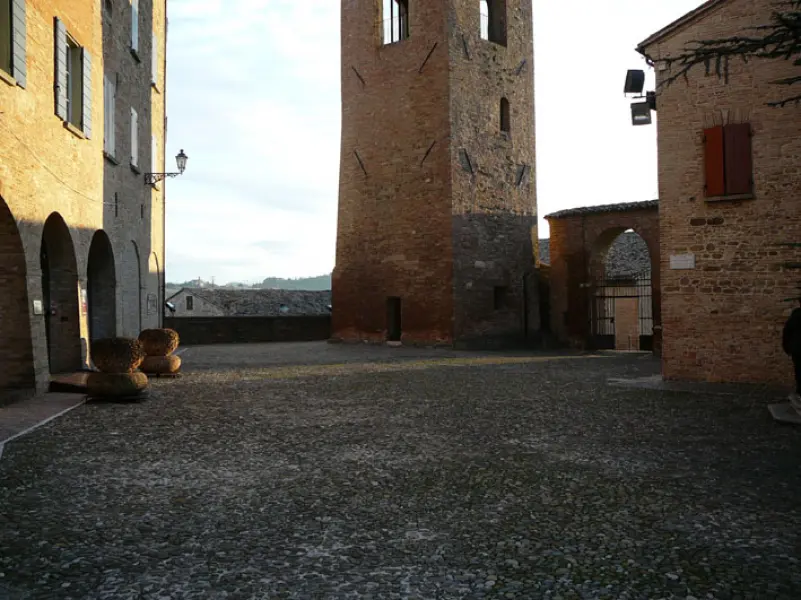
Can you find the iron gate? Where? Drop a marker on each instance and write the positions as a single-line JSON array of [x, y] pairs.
[[604, 307]]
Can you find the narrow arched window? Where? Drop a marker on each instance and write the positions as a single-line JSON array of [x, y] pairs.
[[395, 20], [493, 20], [506, 117]]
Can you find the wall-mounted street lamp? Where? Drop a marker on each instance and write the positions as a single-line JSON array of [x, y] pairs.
[[152, 178]]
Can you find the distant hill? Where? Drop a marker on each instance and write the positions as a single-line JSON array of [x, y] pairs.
[[321, 282]]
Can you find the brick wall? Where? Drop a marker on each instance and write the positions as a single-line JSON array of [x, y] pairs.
[[579, 243], [46, 169], [414, 221], [16, 353], [722, 320], [239, 330]]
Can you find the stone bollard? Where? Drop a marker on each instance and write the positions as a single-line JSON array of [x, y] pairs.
[[159, 345], [117, 359]]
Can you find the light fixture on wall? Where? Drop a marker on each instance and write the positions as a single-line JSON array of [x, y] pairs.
[[153, 178], [640, 111]]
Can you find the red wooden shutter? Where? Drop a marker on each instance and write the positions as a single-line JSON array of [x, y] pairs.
[[737, 144], [713, 162]]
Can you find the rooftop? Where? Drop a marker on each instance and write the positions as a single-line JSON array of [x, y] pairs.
[[604, 208], [264, 303]]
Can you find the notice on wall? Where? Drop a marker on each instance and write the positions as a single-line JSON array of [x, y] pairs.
[[38, 308], [84, 301], [682, 261]]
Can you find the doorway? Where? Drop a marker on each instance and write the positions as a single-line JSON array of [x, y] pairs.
[[102, 288], [394, 329]]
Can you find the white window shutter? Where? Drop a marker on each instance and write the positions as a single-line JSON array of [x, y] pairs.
[[135, 25], [154, 66], [18, 42], [106, 114], [134, 138], [112, 113], [109, 103]]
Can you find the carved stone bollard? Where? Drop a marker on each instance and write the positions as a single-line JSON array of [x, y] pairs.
[[159, 345], [117, 359]]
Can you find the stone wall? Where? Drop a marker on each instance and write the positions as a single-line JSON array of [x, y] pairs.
[[49, 169], [722, 319], [437, 206], [241, 330], [493, 172]]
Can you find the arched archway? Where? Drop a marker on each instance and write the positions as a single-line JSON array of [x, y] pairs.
[[622, 298], [132, 291], [60, 294], [102, 288], [16, 351]]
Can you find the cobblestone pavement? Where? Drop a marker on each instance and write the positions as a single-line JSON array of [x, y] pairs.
[[397, 474]]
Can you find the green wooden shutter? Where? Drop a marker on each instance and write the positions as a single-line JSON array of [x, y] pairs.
[[61, 69], [86, 117], [18, 43]]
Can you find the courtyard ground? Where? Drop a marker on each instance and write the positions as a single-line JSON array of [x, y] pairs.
[[324, 471]]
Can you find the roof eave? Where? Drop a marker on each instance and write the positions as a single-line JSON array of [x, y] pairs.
[[668, 30]]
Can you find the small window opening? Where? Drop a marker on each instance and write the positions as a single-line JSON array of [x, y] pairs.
[[506, 119], [493, 20], [395, 21], [190, 303], [107, 8], [394, 327], [499, 299]]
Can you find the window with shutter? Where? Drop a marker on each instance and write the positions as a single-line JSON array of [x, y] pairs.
[[134, 138], [13, 44], [109, 104], [5, 36], [75, 95], [154, 61], [135, 25], [727, 160]]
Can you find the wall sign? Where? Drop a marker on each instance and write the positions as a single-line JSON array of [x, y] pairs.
[[682, 261], [38, 308]]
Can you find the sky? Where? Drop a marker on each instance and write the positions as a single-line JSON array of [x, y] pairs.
[[254, 100]]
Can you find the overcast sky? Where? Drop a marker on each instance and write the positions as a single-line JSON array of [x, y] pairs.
[[254, 99]]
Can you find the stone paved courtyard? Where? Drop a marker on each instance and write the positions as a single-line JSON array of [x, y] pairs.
[[322, 471]]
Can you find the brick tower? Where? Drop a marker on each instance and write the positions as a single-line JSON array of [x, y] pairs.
[[437, 197]]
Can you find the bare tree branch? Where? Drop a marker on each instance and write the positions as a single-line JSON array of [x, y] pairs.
[[778, 40]]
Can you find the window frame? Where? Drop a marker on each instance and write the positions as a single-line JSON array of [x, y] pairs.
[[390, 34], [189, 304], [493, 27], [74, 82], [727, 153]]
